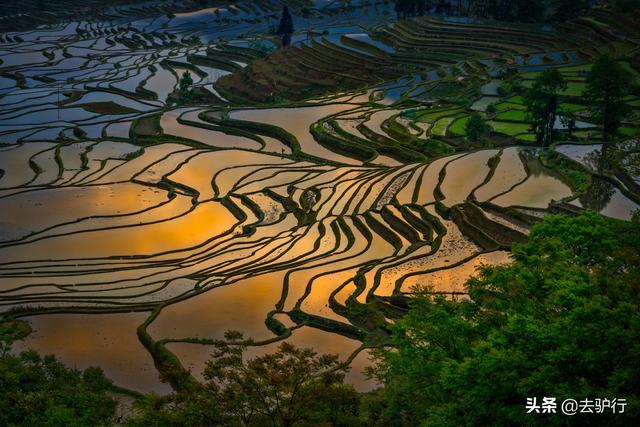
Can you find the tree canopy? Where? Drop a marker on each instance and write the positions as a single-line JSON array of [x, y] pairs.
[[186, 82], [292, 386], [36, 391], [607, 85], [563, 320], [476, 127]]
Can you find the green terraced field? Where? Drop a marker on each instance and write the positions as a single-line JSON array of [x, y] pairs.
[[513, 115], [510, 128]]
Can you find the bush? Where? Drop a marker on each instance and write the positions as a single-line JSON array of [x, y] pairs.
[[476, 127]]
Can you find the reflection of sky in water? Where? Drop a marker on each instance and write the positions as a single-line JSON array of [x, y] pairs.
[[537, 60], [587, 155], [607, 199], [367, 39]]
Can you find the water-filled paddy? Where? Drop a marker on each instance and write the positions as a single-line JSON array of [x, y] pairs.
[[297, 122], [81, 340]]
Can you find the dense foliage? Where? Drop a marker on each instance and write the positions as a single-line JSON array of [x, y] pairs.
[[36, 391], [290, 387], [562, 321], [607, 85], [186, 83], [11, 331], [407, 8], [476, 127]]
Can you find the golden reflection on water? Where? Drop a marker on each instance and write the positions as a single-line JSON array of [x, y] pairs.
[[453, 279], [464, 174], [297, 122], [105, 340], [206, 220], [240, 306], [22, 213]]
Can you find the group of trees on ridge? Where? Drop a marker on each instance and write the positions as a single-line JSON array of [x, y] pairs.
[[607, 84]]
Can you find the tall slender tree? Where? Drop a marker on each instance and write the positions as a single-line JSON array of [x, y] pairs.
[[285, 29], [542, 104], [186, 82], [607, 85]]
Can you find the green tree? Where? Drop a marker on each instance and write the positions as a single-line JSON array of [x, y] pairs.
[[186, 82], [541, 101], [37, 391], [476, 127], [10, 331], [568, 120], [563, 320], [607, 85], [192, 408], [290, 387]]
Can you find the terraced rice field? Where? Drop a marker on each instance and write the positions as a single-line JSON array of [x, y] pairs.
[[133, 226]]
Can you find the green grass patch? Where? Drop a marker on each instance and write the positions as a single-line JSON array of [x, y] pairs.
[[632, 71], [628, 131], [513, 115], [527, 137], [570, 108], [575, 68], [458, 126], [509, 106], [515, 100], [433, 116], [441, 125], [509, 128], [589, 134], [432, 147], [412, 113], [574, 89]]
